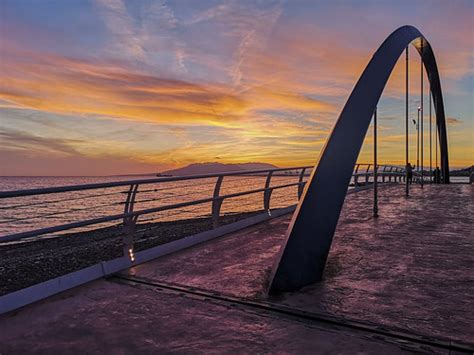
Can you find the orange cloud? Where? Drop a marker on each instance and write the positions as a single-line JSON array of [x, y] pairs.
[[63, 85], [69, 86], [453, 121]]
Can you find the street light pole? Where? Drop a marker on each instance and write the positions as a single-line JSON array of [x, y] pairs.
[[376, 208], [436, 142], [422, 113], [431, 145], [406, 123], [418, 141]]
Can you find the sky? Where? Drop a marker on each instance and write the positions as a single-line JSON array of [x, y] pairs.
[[106, 87]]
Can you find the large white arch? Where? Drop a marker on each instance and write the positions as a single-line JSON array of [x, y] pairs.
[[303, 254]]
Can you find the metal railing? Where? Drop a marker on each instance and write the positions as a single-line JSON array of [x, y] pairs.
[[154, 195], [384, 172], [148, 188]]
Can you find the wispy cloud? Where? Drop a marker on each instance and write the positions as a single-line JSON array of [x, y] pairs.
[[453, 121], [121, 27], [17, 140], [139, 39]]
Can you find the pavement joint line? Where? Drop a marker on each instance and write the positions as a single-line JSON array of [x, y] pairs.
[[402, 335]]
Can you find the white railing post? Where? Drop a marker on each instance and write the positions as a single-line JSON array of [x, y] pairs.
[[268, 192], [301, 185], [129, 223], [356, 177], [216, 202]]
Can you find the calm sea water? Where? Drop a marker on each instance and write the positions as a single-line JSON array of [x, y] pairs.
[[34, 212]]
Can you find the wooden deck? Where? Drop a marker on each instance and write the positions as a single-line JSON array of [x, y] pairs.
[[409, 271]]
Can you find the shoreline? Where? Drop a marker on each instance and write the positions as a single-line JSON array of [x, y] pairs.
[[25, 264]]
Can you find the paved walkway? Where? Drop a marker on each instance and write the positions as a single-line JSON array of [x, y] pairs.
[[410, 269], [110, 318]]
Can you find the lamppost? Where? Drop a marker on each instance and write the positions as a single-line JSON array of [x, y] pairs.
[[376, 207], [422, 112], [416, 123], [431, 136], [406, 123], [418, 141]]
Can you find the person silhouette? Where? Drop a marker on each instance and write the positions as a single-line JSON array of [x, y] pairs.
[[409, 173], [437, 175]]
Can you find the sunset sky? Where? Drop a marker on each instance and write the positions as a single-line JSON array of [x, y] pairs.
[[113, 87]]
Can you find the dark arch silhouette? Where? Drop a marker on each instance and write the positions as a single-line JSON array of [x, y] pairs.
[[303, 254]]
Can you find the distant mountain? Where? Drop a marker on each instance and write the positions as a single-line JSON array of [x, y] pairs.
[[211, 168], [461, 172]]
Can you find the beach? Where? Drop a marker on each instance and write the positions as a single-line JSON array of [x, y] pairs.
[[24, 264]]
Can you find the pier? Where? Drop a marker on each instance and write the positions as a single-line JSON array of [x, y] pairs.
[[399, 282], [340, 257]]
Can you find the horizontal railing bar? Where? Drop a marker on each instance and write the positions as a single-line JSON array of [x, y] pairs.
[[175, 187], [263, 189], [61, 227], [213, 183], [61, 200], [166, 198], [61, 212], [48, 190]]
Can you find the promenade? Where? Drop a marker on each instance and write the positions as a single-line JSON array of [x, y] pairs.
[[402, 282]]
